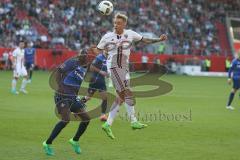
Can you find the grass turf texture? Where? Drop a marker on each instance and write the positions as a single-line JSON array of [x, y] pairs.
[[212, 133]]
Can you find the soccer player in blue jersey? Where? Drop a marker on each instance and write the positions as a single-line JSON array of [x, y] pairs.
[[67, 80], [29, 55], [97, 82], [234, 76]]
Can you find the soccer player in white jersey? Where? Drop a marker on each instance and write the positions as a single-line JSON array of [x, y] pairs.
[[19, 69], [118, 44]]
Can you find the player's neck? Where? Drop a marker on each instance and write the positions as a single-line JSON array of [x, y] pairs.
[[119, 32]]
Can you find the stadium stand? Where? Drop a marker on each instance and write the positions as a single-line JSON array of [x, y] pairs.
[[193, 28]]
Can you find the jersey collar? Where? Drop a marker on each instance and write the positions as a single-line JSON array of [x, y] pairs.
[[119, 34]]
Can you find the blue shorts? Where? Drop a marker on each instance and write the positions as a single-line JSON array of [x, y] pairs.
[[28, 65], [71, 102], [99, 86], [236, 83]]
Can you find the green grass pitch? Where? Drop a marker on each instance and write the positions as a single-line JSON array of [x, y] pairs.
[[211, 133]]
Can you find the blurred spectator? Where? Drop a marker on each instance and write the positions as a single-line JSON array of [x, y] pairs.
[[6, 60], [161, 48], [227, 64], [189, 24], [208, 64], [144, 62], [156, 64]]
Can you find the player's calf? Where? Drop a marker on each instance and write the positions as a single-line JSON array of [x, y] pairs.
[[130, 100]]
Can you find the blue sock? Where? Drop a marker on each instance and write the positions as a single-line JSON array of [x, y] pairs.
[[230, 99]]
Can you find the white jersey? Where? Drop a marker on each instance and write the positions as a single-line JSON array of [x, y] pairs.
[[18, 54], [118, 47]]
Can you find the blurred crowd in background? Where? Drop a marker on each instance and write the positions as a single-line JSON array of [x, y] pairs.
[[190, 25]]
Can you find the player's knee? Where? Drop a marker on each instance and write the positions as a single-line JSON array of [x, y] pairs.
[[234, 91], [119, 100], [64, 123], [65, 118], [104, 98], [86, 123], [130, 100], [104, 102], [84, 116], [86, 120]]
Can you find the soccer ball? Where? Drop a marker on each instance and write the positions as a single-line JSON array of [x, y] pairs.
[[105, 7]]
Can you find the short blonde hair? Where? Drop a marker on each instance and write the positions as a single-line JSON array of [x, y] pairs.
[[121, 16]]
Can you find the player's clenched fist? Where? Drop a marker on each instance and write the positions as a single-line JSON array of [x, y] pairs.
[[163, 37]]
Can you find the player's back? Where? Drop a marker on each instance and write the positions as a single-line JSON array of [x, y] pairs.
[[29, 55]]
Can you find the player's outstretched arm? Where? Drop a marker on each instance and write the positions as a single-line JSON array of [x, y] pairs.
[[97, 50], [95, 69], [163, 37]]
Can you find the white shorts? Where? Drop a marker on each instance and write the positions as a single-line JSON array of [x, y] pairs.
[[119, 78], [19, 71]]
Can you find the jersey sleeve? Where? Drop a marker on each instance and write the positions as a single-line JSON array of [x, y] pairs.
[[101, 45], [14, 53], [96, 62], [75, 77], [136, 36], [68, 65]]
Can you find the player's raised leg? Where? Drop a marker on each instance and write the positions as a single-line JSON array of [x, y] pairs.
[[129, 104], [112, 114], [126, 95], [103, 95]]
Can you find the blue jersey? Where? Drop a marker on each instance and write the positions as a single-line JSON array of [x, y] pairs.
[[99, 62], [70, 77], [234, 71], [29, 54]]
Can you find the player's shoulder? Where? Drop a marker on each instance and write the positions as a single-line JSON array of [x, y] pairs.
[[100, 56], [129, 31], [16, 50], [69, 63], [108, 35], [235, 60]]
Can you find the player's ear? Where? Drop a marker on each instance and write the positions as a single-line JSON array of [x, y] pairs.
[[125, 23]]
